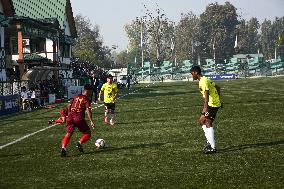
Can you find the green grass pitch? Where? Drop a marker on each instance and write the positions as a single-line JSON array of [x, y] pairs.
[[156, 142]]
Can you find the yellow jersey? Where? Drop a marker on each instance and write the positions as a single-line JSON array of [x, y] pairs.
[[206, 84], [109, 92]]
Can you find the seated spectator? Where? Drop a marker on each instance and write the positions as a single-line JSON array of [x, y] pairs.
[[25, 96], [35, 98]]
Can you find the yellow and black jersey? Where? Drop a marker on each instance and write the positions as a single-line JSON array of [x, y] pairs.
[[109, 92], [206, 84]]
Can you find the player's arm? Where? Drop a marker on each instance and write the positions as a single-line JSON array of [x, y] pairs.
[[115, 94], [90, 117], [206, 100], [218, 91], [100, 94], [99, 97], [205, 87], [69, 106], [218, 88]]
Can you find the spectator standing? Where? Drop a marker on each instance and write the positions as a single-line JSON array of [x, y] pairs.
[[128, 82], [25, 96]]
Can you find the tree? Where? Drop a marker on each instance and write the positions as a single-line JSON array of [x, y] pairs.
[[161, 35], [122, 59], [187, 38], [212, 35], [253, 37], [217, 26], [248, 37], [133, 31], [88, 47], [270, 32], [277, 33], [152, 35], [266, 39], [242, 37]]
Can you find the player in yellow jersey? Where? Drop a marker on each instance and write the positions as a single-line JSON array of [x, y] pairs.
[[110, 95], [211, 94]]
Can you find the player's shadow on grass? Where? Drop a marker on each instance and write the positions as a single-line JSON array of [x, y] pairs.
[[155, 93], [161, 120], [251, 101], [10, 155], [39, 114], [130, 147], [251, 146], [184, 106]]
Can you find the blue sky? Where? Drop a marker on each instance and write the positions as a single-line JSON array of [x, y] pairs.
[[112, 15]]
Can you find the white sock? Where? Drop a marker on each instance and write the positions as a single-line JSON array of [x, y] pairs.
[[106, 113], [204, 128], [210, 135], [205, 131], [112, 117]]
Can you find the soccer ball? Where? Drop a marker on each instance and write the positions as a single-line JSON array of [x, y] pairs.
[[100, 143]]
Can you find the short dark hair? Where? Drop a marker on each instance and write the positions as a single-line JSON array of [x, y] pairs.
[[88, 87], [109, 76], [196, 68]]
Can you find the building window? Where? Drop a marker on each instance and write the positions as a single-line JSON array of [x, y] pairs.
[[37, 45], [14, 46], [65, 50]]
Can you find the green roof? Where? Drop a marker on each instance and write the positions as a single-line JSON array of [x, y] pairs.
[[40, 9], [35, 57]]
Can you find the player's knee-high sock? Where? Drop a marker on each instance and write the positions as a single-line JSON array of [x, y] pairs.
[[112, 116], [65, 141], [107, 114], [205, 132], [210, 133], [84, 138]]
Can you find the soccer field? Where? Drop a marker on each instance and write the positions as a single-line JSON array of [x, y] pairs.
[[156, 142]]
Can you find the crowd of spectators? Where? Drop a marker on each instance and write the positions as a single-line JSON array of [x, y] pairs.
[[82, 69], [87, 70], [36, 95]]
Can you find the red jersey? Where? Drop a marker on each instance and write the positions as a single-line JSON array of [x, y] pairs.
[[79, 104]]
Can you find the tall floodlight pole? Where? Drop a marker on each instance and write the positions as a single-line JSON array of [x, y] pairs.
[[173, 55], [214, 51], [114, 47], [275, 53], [127, 70], [214, 55], [141, 43]]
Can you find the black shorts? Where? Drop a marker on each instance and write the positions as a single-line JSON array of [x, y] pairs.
[[212, 112], [110, 106]]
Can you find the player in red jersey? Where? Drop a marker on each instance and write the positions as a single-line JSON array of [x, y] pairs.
[[76, 118], [63, 114]]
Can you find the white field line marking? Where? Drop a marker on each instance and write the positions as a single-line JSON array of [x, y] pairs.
[[31, 134], [22, 138]]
